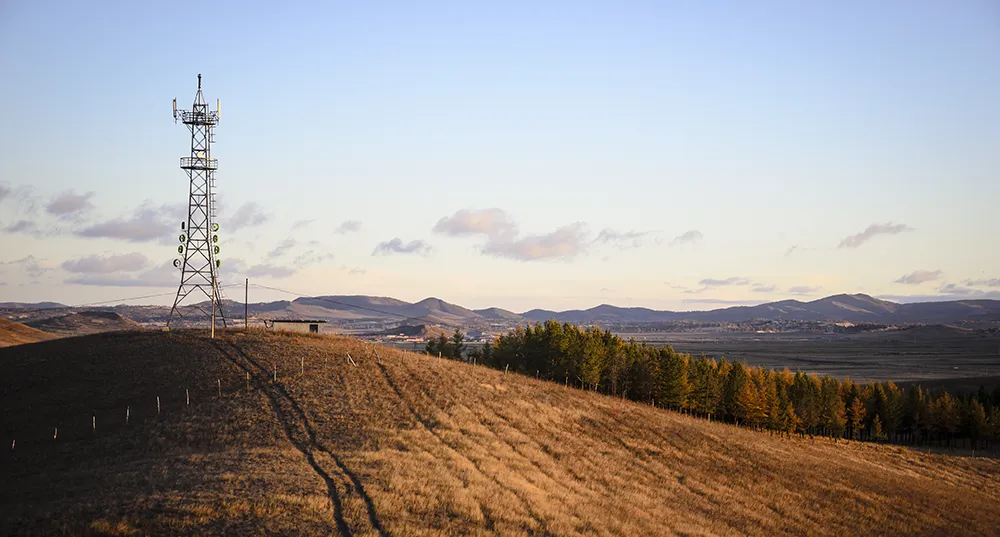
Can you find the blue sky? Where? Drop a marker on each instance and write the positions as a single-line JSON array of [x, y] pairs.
[[512, 154]]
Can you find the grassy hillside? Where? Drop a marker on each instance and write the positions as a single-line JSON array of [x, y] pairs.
[[417, 446], [12, 333]]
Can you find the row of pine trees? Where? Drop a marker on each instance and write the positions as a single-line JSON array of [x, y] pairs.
[[780, 401]]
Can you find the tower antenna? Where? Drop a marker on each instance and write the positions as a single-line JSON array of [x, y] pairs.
[[199, 237]]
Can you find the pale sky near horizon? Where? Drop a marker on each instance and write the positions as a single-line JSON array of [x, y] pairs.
[[521, 155]]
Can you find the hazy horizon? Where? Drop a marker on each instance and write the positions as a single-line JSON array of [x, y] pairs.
[[519, 156]]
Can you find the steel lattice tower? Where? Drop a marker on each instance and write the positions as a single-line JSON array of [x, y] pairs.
[[199, 238]]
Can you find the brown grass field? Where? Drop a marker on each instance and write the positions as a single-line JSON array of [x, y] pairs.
[[12, 333], [418, 446]]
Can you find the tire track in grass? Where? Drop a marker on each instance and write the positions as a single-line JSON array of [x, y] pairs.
[[307, 450], [313, 443], [427, 426]]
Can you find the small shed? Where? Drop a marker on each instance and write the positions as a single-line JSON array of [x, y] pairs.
[[297, 325]]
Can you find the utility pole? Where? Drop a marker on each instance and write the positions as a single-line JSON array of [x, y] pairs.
[[246, 306]]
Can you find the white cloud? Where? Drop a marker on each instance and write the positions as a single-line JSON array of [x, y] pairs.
[[348, 226], [803, 290], [564, 243], [397, 246], [918, 277], [490, 222], [621, 239], [687, 237], [248, 215], [871, 231], [147, 223], [69, 205]]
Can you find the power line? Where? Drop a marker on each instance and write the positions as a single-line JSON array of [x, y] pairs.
[[324, 299], [114, 300], [120, 300]]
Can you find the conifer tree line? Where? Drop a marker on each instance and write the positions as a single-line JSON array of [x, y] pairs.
[[780, 401]]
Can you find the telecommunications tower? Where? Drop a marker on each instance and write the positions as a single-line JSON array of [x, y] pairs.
[[199, 239]]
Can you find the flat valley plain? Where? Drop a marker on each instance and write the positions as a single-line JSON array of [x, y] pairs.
[[928, 353]]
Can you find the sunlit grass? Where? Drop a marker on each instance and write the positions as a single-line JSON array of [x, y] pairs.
[[419, 446]]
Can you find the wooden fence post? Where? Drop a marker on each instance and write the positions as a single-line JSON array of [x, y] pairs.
[[94, 423], [302, 365], [219, 381], [157, 405], [128, 410], [187, 396], [248, 381]]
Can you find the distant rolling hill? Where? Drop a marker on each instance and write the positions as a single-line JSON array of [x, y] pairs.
[[852, 308], [12, 333], [404, 444], [83, 323], [31, 305]]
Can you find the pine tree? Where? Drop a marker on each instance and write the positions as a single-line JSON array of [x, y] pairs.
[[673, 382], [857, 415], [456, 347], [976, 421]]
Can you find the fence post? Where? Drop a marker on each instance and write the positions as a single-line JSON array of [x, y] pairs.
[[157, 405], [128, 410], [275, 372], [219, 381], [505, 369], [55, 433], [248, 381], [94, 423], [187, 397], [302, 365], [12, 444]]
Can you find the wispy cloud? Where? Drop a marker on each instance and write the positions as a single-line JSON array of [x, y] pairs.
[[687, 237], [722, 301], [29, 265], [92, 264], [858, 239], [713, 283], [300, 224], [762, 288], [621, 239], [397, 246], [164, 275], [311, 257], [27, 227], [994, 282], [918, 277], [282, 248], [348, 226], [147, 223], [248, 215], [5, 191], [69, 205], [804, 290], [269, 270]]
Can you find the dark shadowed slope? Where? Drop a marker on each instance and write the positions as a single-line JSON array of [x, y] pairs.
[[401, 444]]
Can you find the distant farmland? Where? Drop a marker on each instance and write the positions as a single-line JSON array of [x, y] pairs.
[[401, 444]]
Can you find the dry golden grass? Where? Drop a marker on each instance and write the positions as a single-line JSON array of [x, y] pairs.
[[12, 333], [411, 445]]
